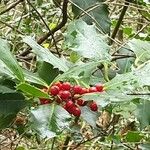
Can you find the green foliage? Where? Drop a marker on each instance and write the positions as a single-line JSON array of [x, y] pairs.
[[85, 40], [143, 113], [9, 60], [45, 54], [89, 116], [133, 136], [11, 102], [49, 120], [31, 90], [47, 72], [92, 9], [141, 50]]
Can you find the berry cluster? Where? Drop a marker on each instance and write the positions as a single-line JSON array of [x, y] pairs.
[[69, 96]]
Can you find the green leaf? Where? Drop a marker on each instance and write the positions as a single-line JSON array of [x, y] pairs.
[[133, 136], [34, 78], [9, 60], [85, 40], [125, 64], [143, 74], [47, 72], [145, 146], [89, 116], [141, 49], [143, 114], [29, 76], [96, 9], [122, 81], [45, 54], [32, 90], [11, 102], [83, 70], [48, 120], [5, 71]]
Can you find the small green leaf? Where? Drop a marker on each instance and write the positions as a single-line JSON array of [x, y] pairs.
[[9, 60], [32, 90], [133, 136], [45, 54]]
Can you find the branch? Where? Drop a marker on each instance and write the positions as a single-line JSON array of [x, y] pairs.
[[11, 6], [138, 94], [122, 57], [124, 9], [60, 25], [45, 25]]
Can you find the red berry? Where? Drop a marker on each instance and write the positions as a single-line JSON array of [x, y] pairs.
[[84, 90], [92, 89], [76, 111], [59, 84], [64, 95], [54, 90], [81, 102], [93, 106], [69, 104], [66, 86], [77, 89], [65, 107], [44, 101], [99, 87]]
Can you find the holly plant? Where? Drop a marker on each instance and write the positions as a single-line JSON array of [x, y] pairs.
[[86, 90]]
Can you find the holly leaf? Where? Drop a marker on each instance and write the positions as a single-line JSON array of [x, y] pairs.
[[143, 74], [45, 55], [34, 78], [11, 102], [32, 90], [48, 120], [89, 116], [143, 114], [85, 40], [9, 60], [96, 12], [83, 70], [141, 49], [122, 82], [47, 72]]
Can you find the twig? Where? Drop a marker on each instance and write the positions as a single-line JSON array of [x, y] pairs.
[[49, 30], [58, 27], [65, 145], [54, 139], [138, 93], [123, 12], [122, 57], [83, 142], [11, 6]]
